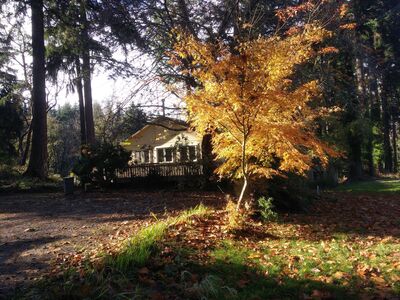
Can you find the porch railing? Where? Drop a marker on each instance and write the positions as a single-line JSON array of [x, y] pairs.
[[163, 170]]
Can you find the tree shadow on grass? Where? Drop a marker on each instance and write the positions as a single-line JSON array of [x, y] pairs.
[[216, 280], [233, 280]]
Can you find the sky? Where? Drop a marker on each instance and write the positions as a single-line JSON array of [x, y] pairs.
[[144, 89]]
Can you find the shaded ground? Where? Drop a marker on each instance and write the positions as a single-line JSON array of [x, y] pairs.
[[36, 229]]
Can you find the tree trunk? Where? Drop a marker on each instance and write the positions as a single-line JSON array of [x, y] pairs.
[[207, 157], [355, 168], [370, 156], [242, 193], [27, 146], [87, 88], [387, 150], [365, 100], [87, 84], [244, 171], [38, 159], [79, 88], [394, 142]]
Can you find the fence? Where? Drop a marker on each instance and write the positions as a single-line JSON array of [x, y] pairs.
[[163, 170]]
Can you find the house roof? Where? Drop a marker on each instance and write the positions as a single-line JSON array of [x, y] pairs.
[[157, 132]]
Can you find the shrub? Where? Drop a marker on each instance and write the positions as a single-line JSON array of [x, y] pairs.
[[98, 163], [265, 207], [291, 193]]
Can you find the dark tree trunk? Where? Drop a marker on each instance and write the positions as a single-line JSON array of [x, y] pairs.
[[366, 104], [394, 143], [79, 88], [207, 157], [87, 88], [87, 84], [38, 159], [355, 162], [370, 157], [387, 149], [374, 112]]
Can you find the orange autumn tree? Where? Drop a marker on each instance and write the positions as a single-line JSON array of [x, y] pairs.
[[247, 99]]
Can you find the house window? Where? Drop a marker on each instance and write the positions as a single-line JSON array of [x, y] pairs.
[[187, 153], [142, 156], [168, 154], [165, 154], [160, 155], [183, 154], [192, 153], [146, 156], [137, 157]]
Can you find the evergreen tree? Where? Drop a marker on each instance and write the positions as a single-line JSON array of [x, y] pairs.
[[38, 158]]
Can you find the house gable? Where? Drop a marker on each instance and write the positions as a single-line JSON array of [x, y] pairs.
[[157, 133], [155, 142]]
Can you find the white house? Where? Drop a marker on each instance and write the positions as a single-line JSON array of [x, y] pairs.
[[164, 141]]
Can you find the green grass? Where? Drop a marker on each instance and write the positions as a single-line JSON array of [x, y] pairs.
[[21, 184], [373, 186], [139, 248], [254, 275], [289, 269]]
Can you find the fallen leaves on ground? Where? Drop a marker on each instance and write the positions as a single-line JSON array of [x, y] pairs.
[[352, 243]]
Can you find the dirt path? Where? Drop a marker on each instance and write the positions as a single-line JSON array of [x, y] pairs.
[[36, 229]]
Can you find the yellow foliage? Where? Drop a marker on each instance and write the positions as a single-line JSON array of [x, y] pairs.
[[247, 99]]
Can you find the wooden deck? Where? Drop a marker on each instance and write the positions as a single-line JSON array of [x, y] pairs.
[[172, 170]]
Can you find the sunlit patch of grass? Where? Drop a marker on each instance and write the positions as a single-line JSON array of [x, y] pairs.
[[138, 249], [344, 265], [265, 273], [372, 186]]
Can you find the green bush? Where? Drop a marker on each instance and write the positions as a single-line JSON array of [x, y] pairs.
[[98, 163], [265, 207], [291, 192]]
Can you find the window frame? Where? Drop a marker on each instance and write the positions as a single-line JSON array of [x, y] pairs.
[[164, 155]]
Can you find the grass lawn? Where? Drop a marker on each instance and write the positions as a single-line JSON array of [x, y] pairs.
[[372, 186], [343, 249], [22, 184]]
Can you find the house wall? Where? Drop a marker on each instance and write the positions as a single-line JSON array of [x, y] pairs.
[[154, 137], [181, 139]]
